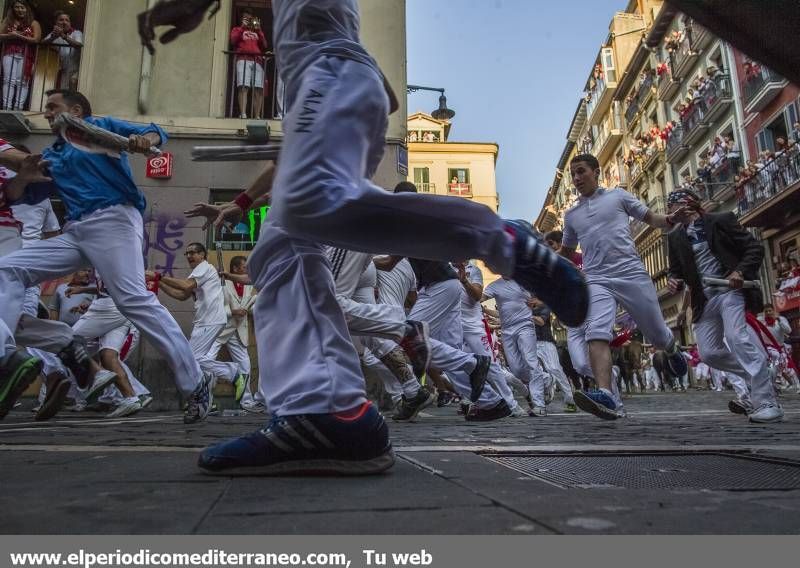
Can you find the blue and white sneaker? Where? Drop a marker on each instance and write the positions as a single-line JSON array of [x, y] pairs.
[[346, 443], [548, 275], [199, 403], [599, 403], [677, 362]]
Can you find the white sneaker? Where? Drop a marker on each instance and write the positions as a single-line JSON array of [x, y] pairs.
[[101, 380], [767, 413], [537, 411], [243, 115], [518, 412], [145, 400], [253, 406], [127, 407]]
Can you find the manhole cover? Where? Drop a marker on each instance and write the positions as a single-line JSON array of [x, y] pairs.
[[656, 471]]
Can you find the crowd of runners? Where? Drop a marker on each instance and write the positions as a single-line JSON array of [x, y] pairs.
[[349, 279]]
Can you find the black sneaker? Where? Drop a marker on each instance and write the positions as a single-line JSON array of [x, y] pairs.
[[17, 371], [477, 378], [444, 398], [54, 399], [498, 411], [77, 360], [408, 408], [346, 443], [548, 275], [417, 347], [463, 408]]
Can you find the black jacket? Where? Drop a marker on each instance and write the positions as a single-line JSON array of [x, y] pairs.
[[734, 247]]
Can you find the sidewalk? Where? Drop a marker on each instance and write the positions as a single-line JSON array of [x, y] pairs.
[[84, 474]]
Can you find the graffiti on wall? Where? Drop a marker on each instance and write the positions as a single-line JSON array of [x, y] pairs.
[[163, 239]]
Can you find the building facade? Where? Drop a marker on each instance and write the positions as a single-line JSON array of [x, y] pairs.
[[440, 166], [190, 88]]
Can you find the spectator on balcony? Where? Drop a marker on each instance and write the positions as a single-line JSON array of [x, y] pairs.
[[20, 34], [780, 145], [412, 136], [732, 148], [795, 135], [249, 43], [69, 41]]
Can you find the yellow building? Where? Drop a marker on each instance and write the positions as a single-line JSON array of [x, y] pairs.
[[441, 166]]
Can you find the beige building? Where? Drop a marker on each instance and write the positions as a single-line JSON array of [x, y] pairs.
[[189, 88], [440, 166]]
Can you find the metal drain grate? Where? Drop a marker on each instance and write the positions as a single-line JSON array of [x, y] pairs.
[[715, 471]]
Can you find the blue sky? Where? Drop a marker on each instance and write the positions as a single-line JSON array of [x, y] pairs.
[[513, 71]]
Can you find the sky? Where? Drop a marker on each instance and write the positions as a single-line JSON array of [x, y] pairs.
[[514, 71]]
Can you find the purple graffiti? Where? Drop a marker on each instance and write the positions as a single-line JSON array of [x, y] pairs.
[[164, 233]]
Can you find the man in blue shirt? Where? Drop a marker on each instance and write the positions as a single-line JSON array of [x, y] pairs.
[[104, 207]]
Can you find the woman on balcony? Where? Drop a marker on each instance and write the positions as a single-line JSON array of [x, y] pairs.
[[249, 43], [20, 34]]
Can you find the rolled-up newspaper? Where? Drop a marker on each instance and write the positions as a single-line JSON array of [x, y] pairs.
[[235, 153], [93, 139], [723, 283]]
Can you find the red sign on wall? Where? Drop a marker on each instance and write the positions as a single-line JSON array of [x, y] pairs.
[[160, 166]]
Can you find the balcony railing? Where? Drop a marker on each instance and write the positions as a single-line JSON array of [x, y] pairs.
[[675, 146], [721, 180], [685, 54], [595, 95], [632, 111], [693, 121], [668, 83], [636, 170], [460, 189], [780, 173], [426, 187], [760, 88], [252, 87], [642, 92], [30, 70], [717, 95]]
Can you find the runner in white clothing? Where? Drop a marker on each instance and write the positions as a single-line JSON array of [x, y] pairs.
[[600, 223], [204, 286], [519, 337]]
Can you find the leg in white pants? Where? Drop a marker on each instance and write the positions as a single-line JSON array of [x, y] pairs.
[[548, 353], [579, 351], [520, 349], [111, 241], [201, 341], [478, 343], [727, 343], [238, 352]]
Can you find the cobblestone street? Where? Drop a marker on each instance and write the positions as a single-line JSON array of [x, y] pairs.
[[80, 472]]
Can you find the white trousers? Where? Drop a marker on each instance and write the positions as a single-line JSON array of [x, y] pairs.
[[652, 382], [548, 353], [634, 292], [202, 342], [322, 194], [579, 350], [727, 343], [478, 343], [15, 87], [236, 349], [110, 240], [520, 349]]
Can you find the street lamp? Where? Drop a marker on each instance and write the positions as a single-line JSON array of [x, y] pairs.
[[441, 113]]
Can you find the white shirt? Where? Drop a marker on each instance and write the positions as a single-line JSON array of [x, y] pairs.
[[601, 225], [394, 285], [209, 302], [471, 313], [779, 330], [69, 57], [36, 219], [511, 300]]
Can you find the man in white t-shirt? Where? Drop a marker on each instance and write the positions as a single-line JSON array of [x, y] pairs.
[[70, 42], [519, 337], [600, 223], [205, 287]]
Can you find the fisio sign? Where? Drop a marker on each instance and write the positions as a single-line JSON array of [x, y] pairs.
[[160, 166]]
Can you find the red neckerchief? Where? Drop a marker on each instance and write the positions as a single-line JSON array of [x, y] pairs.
[[239, 289], [770, 321]]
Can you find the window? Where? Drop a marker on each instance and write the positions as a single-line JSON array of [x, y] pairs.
[[780, 127], [421, 175], [252, 79], [607, 57], [458, 175], [242, 236]]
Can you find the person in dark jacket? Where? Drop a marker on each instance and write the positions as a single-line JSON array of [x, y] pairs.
[[714, 245]]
